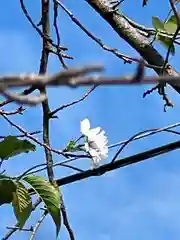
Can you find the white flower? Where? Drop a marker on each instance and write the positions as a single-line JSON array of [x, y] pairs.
[[96, 142]]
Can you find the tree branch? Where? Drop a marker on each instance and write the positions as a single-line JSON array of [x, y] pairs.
[[130, 34], [65, 220], [119, 163], [43, 68]]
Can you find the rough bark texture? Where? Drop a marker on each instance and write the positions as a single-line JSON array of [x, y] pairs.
[[133, 37]]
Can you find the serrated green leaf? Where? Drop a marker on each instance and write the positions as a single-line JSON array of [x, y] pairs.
[[157, 24], [22, 204], [166, 42], [7, 187], [171, 24], [12, 146], [49, 195]]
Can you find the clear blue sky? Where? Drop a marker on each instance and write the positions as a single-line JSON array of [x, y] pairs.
[[141, 201]]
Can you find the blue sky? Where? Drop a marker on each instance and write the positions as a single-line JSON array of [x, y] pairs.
[[136, 202]]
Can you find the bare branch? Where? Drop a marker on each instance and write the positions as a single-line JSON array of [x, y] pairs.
[[20, 99], [46, 37], [38, 225], [15, 228], [146, 155], [26, 134], [65, 220], [125, 58], [19, 110], [131, 35], [72, 103], [120, 163], [23, 135], [75, 77], [57, 34], [148, 133]]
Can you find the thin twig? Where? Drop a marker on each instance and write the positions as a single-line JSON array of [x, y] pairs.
[[73, 103], [15, 228], [138, 136], [22, 135], [31, 170], [26, 134], [59, 49], [22, 229], [166, 66], [38, 225], [57, 34], [150, 133], [65, 220], [176, 14], [143, 133], [19, 110], [125, 58], [118, 164], [46, 37]]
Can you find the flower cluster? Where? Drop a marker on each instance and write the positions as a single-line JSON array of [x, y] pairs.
[[95, 142]]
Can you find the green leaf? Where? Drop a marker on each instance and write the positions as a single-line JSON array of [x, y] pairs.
[[7, 188], [49, 195], [70, 146], [166, 42], [171, 24], [12, 146], [157, 24], [22, 204]]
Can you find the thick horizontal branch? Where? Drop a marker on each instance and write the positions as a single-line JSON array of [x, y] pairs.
[[76, 77], [119, 163], [73, 78]]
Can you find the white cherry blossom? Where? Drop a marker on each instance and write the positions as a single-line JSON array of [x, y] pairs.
[[95, 143]]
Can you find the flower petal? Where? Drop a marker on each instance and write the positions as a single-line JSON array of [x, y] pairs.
[[95, 142], [85, 126], [94, 131]]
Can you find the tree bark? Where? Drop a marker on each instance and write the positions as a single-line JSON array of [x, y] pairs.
[[132, 36]]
